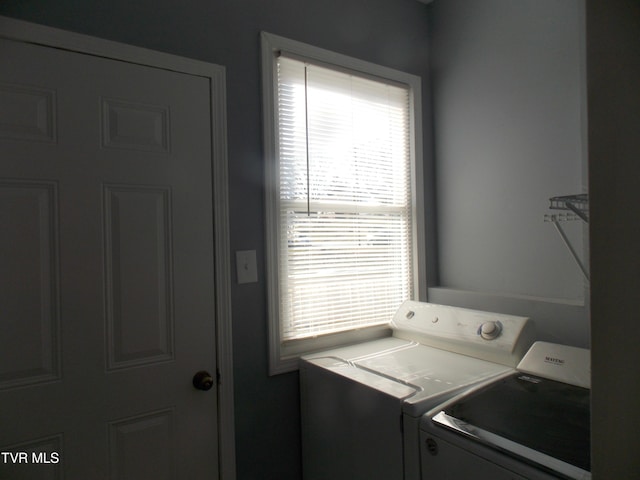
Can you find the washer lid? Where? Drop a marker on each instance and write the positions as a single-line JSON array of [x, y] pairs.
[[383, 384], [431, 372]]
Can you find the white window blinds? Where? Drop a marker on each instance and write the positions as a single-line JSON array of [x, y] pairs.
[[345, 258]]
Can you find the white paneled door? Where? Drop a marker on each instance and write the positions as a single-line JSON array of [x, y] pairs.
[[106, 269]]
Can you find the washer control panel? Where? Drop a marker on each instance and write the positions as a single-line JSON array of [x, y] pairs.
[[563, 363], [491, 336]]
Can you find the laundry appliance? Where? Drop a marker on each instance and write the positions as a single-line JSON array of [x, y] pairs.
[[532, 424], [361, 405]]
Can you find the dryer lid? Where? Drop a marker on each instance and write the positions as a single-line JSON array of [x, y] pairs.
[[527, 415]]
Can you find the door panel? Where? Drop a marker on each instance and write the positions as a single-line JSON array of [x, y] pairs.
[[141, 447], [140, 319], [106, 268], [29, 302]]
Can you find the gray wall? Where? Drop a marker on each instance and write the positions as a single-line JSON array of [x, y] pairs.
[[226, 32], [613, 59], [509, 133]]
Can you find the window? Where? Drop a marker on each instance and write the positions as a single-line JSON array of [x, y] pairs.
[[343, 203]]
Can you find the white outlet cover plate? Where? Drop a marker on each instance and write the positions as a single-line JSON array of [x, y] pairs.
[[246, 266]]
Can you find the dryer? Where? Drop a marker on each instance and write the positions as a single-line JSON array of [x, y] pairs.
[[361, 405], [532, 424]]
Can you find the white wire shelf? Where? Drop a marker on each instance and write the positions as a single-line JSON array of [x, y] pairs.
[[578, 204]]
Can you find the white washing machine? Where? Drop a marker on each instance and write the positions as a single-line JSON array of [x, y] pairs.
[[533, 424], [361, 405]]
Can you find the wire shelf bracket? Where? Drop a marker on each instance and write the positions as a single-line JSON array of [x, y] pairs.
[[574, 207]]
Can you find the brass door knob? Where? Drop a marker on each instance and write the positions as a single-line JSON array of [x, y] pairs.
[[203, 380]]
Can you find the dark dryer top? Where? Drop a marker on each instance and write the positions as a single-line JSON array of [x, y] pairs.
[[545, 415]]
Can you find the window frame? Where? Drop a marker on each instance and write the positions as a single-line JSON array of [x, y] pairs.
[[283, 356]]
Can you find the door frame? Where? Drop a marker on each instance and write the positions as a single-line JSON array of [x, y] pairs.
[[27, 32]]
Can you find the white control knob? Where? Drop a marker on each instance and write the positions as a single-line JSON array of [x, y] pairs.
[[490, 330]]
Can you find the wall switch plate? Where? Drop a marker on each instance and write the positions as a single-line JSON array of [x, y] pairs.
[[246, 266]]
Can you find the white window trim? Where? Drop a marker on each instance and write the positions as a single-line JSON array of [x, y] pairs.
[[284, 357]]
